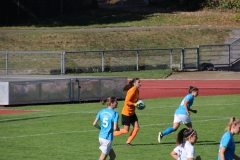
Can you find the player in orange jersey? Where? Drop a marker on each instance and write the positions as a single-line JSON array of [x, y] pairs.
[[128, 112]]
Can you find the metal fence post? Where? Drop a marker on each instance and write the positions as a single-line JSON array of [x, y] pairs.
[[182, 59], [62, 63], [197, 58], [71, 90], [229, 55], [137, 61], [171, 59], [103, 61], [6, 62]]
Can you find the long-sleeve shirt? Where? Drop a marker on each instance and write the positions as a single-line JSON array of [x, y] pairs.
[[131, 97]]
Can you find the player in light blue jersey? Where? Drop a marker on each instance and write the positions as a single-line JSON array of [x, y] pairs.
[[182, 114], [109, 123], [227, 144]]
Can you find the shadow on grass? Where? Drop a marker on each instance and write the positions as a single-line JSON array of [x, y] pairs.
[[148, 144], [199, 143], [82, 18], [25, 118]]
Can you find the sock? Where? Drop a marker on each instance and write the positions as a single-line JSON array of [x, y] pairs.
[[168, 131], [132, 135], [118, 133]]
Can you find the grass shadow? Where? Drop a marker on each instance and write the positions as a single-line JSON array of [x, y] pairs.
[[100, 16]]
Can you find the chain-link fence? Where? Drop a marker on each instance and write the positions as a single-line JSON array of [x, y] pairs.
[[30, 63], [119, 60], [220, 55]]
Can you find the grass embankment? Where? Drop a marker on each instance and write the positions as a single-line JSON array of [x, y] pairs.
[[75, 41], [178, 30]]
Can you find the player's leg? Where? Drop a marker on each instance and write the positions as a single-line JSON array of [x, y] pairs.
[[103, 156], [171, 129], [133, 133], [176, 124], [112, 154], [187, 122], [189, 125], [105, 147], [126, 126]]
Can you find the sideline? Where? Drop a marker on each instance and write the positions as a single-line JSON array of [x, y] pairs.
[[87, 131]]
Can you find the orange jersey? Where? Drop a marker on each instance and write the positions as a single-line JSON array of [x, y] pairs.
[[131, 97]]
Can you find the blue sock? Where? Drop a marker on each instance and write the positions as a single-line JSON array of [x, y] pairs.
[[168, 131]]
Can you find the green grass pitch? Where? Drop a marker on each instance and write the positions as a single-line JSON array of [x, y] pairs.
[[65, 131]]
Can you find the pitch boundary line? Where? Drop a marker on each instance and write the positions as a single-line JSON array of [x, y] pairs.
[[84, 131], [95, 112]]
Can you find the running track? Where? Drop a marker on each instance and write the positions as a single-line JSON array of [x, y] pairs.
[[179, 88], [174, 88]]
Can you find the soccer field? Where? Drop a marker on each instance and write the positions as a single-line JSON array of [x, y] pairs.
[[65, 131]]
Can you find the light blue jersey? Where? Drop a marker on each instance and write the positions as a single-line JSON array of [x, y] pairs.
[[227, 141], [107, 117], [181, 109]]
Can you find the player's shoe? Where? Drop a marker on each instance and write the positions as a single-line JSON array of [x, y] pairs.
[[128, 144], [160, 135]]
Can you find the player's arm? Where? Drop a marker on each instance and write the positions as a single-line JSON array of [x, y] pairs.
[[115, 124], [95, 123], [185, 106], [116, 128], [192, 110], [236, 157], [221, 152], [174, 155]]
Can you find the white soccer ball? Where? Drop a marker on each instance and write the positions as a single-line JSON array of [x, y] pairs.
[[142, 105]]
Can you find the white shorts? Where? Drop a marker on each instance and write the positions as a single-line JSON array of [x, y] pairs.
[[105, 145], [181, 118]]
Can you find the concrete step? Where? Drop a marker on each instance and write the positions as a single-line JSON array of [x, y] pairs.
[[235, 33], [231, 40]]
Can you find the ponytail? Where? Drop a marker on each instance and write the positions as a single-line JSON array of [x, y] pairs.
[[232, 121], [184, 133], [130, 84], [192, 88], [108, 101]]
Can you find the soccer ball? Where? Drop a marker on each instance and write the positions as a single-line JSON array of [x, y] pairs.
[[141, 105]]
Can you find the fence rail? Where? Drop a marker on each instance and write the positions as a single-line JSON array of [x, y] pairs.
[[118, 60]]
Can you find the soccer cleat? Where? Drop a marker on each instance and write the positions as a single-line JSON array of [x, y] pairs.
[[160, 135], [128, 144]]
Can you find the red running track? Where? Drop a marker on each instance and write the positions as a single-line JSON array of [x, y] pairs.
[[174, 88], [9, 111], [179, 88]]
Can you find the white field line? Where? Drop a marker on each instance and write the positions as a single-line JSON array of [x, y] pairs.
[[95, 112], [172, 115], [84, 131], [47, 134], [205, 120], [50, 115], [170, 106]]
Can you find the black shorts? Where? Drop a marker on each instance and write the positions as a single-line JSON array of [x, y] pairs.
[[127, 120]]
